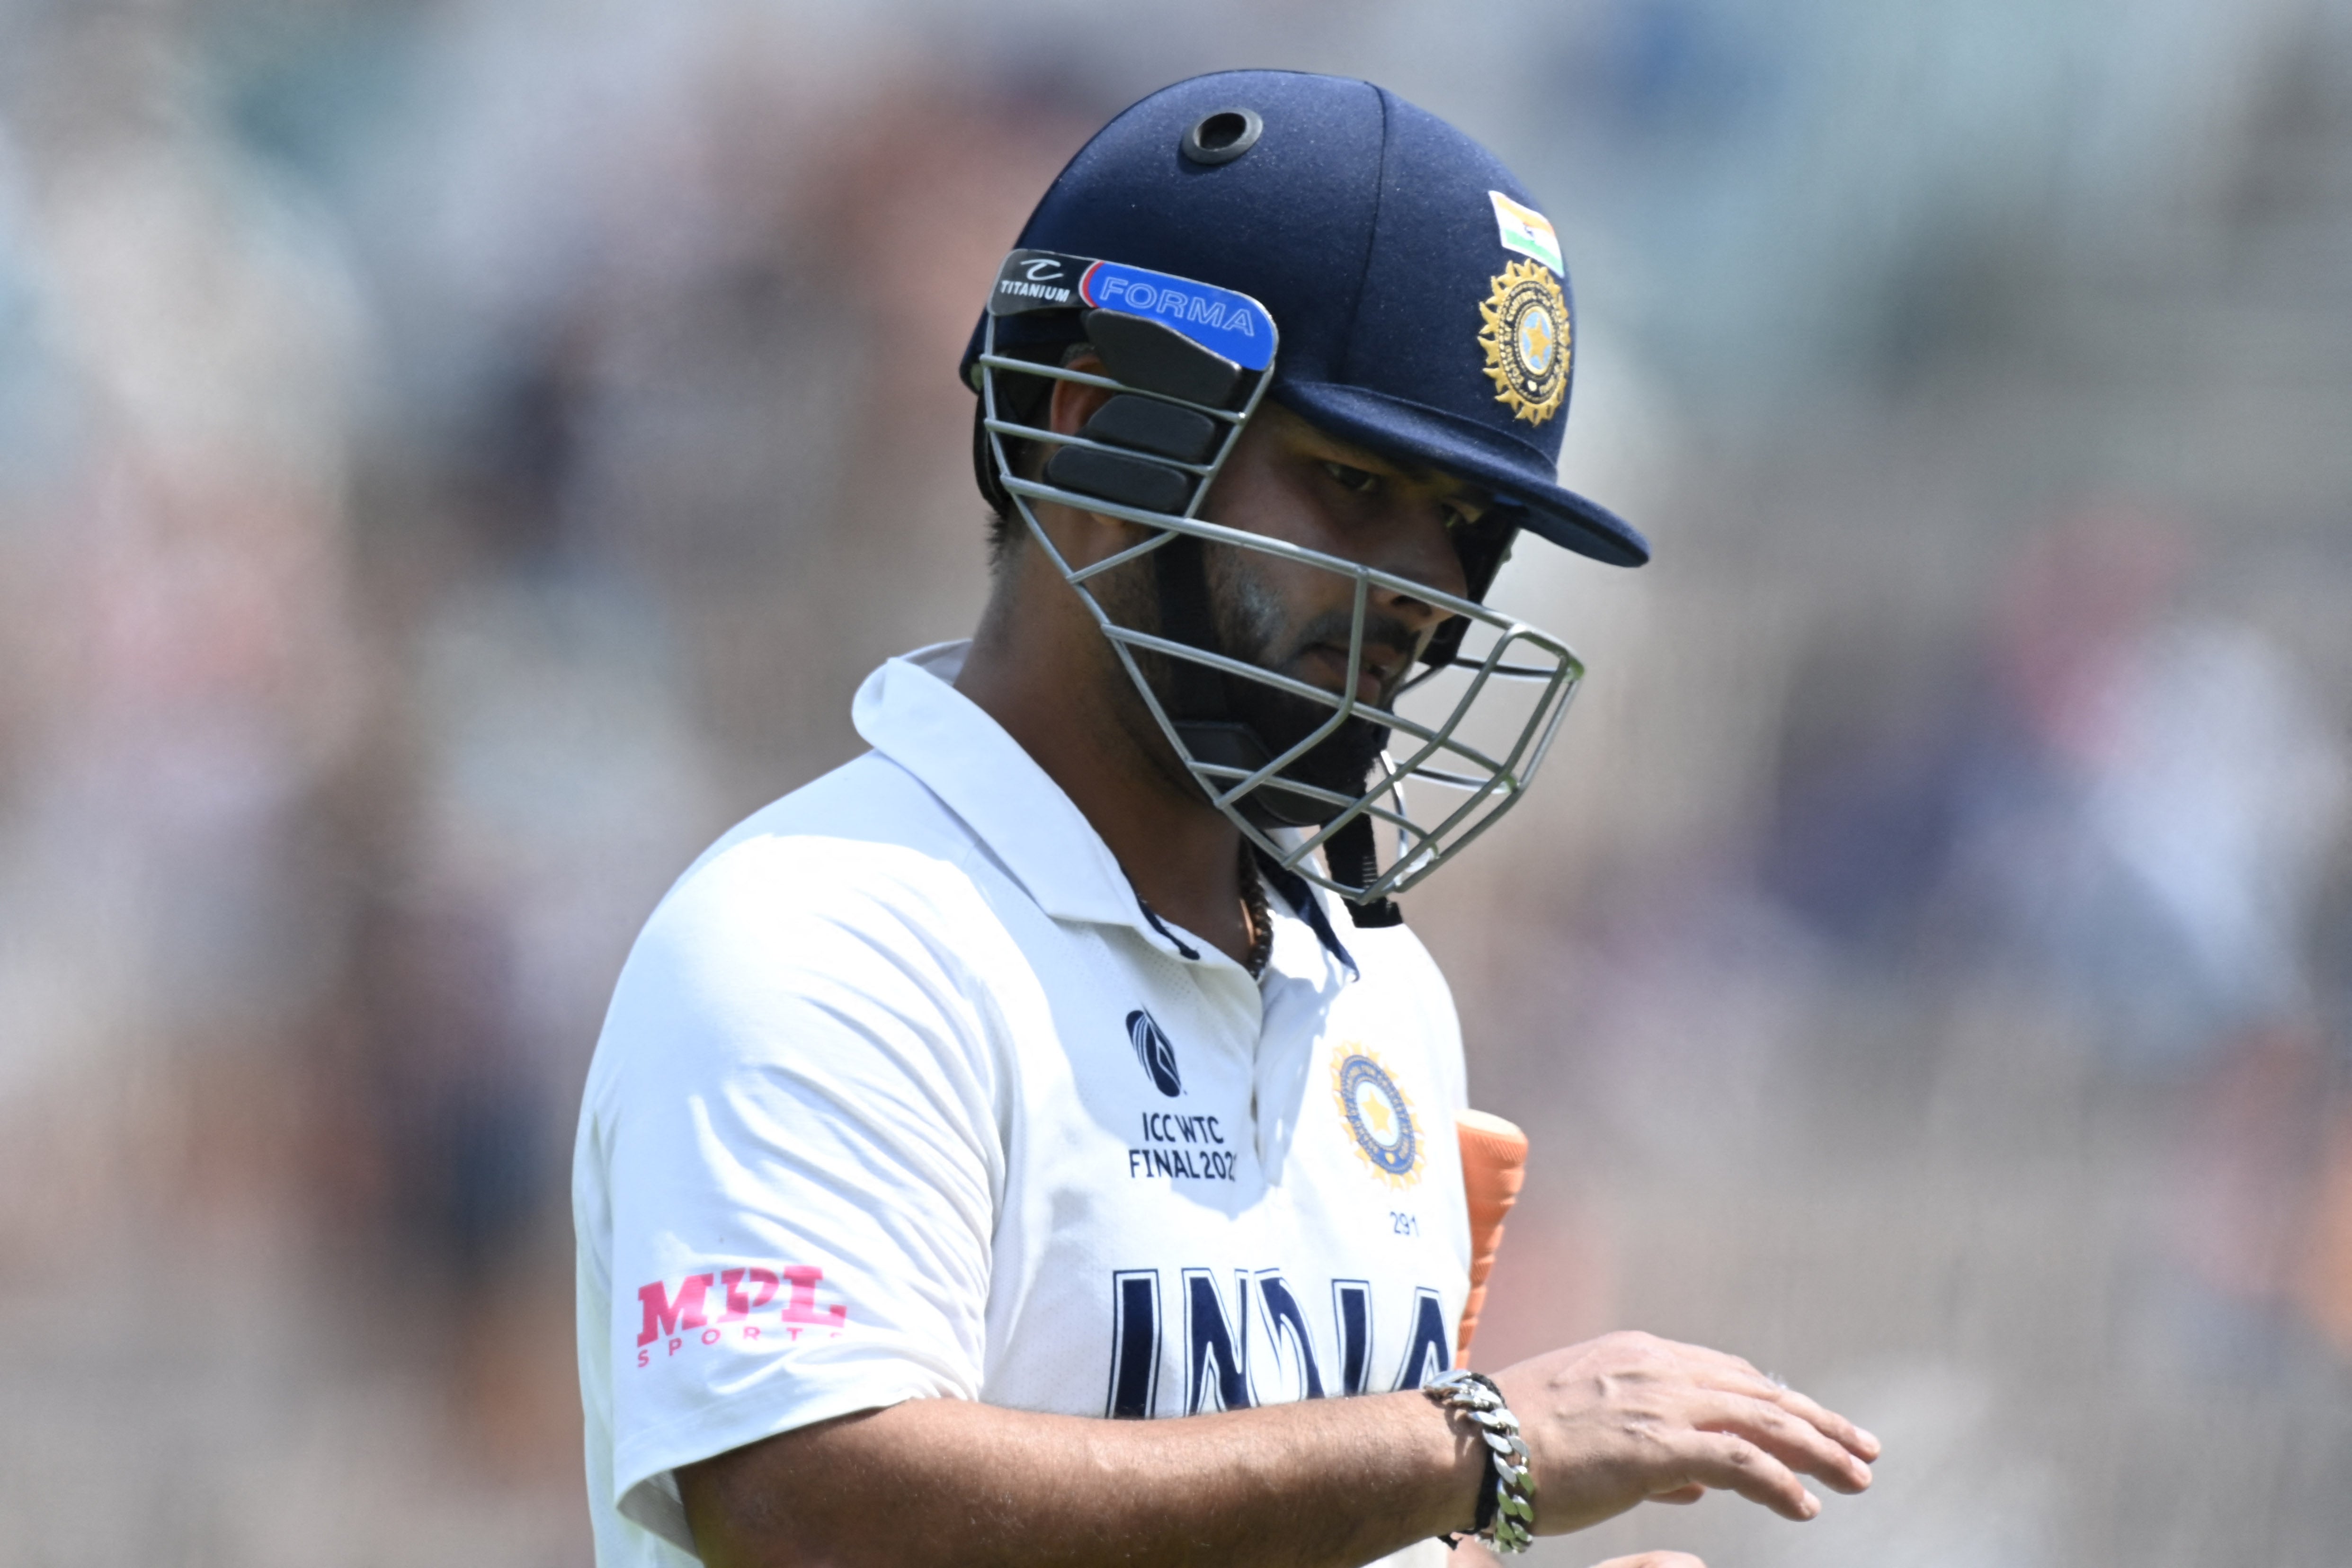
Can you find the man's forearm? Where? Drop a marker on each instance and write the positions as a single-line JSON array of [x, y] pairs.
[[1321, 1482]]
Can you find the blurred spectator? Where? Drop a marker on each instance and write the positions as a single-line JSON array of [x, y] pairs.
[[2135, 810], [2131, 803], [2181, 786], [190, 611]]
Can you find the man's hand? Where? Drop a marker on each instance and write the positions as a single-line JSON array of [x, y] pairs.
[[1630, 1418], [1319, 1484]]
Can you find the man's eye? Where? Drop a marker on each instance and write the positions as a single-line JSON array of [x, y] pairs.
[[1456, 518], [1357, 479]]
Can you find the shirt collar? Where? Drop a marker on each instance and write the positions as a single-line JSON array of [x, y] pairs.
[[910, 712], [1300, 895]]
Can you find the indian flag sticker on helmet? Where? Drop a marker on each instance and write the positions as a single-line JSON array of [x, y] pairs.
[[1526, 340], [1377, 1115], [1522, 228]]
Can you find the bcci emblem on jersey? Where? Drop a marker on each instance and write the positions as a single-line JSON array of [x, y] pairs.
[[1379, 1115]]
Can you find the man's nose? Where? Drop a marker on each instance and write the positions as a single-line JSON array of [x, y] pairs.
[[1420, 549]]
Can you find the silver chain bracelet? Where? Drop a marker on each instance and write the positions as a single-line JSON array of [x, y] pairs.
[[1507, 1517]]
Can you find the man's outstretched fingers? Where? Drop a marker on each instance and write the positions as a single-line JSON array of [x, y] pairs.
[[1737, 1374], [1795, 1442], [1844, 1432], [1732, 1464]]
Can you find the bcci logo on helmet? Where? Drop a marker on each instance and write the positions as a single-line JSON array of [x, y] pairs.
[[1526, 339]]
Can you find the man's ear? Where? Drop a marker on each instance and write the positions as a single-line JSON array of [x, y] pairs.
[[1082, 537], [1074, 404]]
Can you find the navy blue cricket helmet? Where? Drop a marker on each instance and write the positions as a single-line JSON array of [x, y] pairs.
[[1422, 298]]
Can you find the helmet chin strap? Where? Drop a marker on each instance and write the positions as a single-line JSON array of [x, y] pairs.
[[1204, 719], [1353, 860]]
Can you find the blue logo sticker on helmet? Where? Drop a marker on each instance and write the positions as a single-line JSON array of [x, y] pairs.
[[1219, 320], [1232, 325]]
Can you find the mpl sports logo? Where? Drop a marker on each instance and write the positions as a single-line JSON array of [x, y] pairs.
[[683, 1318]]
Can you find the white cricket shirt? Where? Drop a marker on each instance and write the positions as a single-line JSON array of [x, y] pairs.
[[902, 1095]]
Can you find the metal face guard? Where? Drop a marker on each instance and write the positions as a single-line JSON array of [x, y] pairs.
[[1467, 734]]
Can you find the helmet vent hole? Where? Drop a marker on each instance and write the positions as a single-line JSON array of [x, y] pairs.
[[1223, 137]]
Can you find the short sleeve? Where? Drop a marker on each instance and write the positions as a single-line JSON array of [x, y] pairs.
[[794, 1109]]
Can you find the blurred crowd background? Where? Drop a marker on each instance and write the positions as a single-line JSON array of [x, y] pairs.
[[458, 456]]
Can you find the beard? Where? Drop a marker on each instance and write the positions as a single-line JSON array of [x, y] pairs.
[[1253, 625], [1251, 622]]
